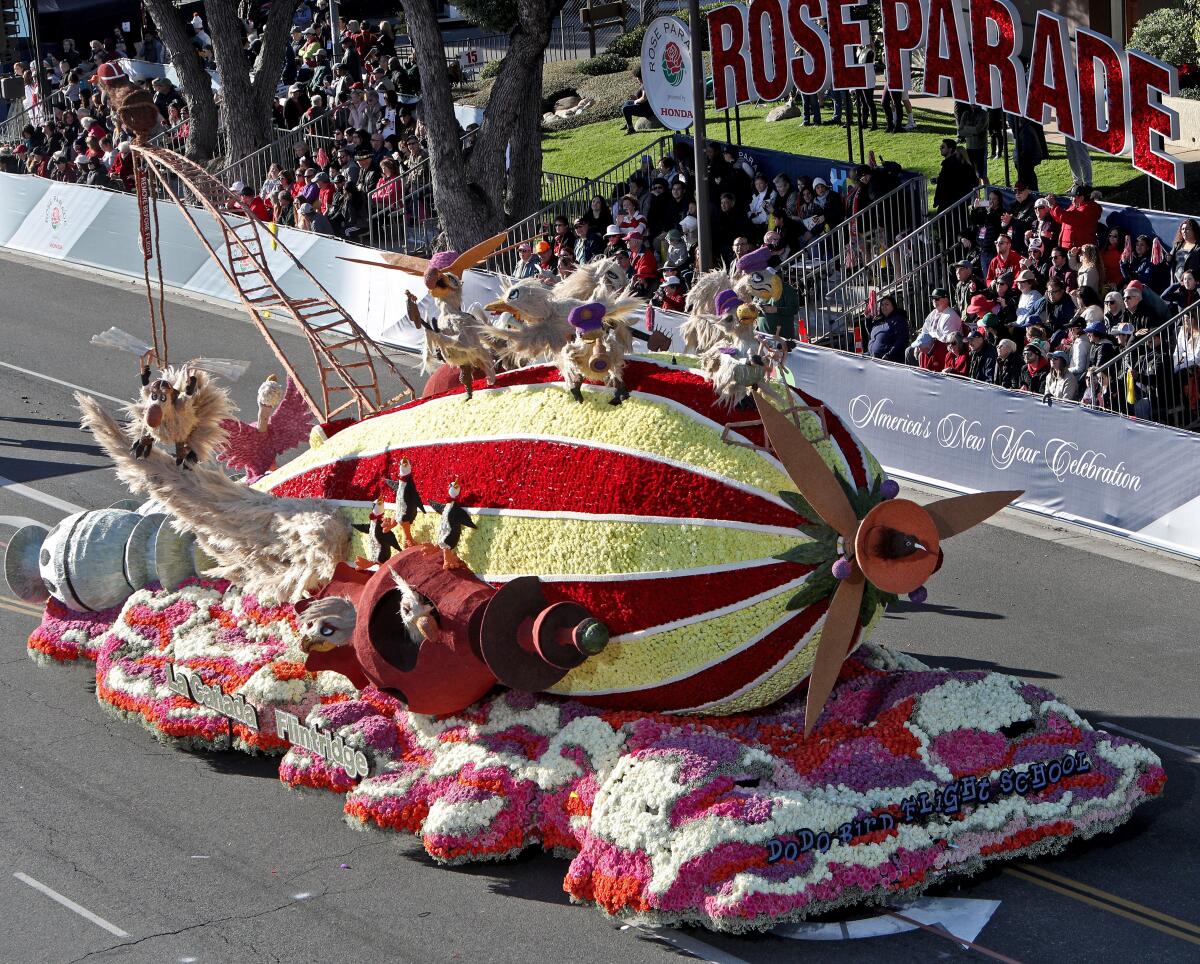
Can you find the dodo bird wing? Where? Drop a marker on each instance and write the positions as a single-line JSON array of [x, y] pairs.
[[292, 420]]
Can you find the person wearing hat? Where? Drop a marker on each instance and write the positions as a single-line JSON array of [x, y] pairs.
[[1005, 259], [942, 324], [63, 170], [981, 356], [1078, 222], [1101, 349], [587, 246], [1044, 226], [1020, 213], [1036, 368], [613, 236], [250, 202], [978, 308], [1077, 346], [1029, 302], [966, 285], [368, 173], [670, 296], [313, 220], [547, 264], [1061, 382], [645, 278], [829, 205], [640, 256]]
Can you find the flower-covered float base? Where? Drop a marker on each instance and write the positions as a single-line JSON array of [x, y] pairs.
[[734, 823], [739, 823], [65, 636], [211, 633]]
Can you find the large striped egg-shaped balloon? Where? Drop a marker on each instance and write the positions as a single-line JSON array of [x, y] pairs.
[[662, 516]]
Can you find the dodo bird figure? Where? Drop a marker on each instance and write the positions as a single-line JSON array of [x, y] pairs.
[[183, 410], [134, 105]]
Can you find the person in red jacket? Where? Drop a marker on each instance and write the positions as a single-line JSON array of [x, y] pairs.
[[1080, 221], [251, 203], [1005, 259]]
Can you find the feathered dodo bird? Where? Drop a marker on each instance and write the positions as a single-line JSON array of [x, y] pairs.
[[134, 105], [456, 335], [183, 410]]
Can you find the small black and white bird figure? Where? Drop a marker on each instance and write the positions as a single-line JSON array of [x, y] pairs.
[[408, 500], [897, 545], [454, 517], [381, 538]]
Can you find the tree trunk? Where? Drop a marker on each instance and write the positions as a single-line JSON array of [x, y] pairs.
[[470, 196], [194, 82], [245, 127], [268, 68], [248, 103]]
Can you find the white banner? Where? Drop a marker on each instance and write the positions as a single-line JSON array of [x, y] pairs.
[[1106, 471], [88, 226]]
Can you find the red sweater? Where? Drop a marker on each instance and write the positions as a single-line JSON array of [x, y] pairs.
[[1078, 223]]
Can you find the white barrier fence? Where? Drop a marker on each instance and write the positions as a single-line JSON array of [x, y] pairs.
[[1123, 476], [1116, 474]]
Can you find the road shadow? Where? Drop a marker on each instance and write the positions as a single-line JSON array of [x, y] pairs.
[[36, 470], [48, 445], [903, 606], [966, 663], [59, 422]]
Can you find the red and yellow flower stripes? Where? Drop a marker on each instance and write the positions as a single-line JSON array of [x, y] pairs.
[[646, 514]]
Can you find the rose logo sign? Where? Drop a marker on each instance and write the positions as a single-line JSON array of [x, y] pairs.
[[672, 64], [666, 72]]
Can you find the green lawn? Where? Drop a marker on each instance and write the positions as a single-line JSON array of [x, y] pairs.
[[589, 150]]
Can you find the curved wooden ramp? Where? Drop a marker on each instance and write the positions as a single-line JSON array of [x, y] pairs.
[[345, 355]]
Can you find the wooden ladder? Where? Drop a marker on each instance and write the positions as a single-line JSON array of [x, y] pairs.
[[345, 355]]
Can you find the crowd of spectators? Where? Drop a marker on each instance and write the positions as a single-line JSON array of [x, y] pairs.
[[370, 154], [650, 224], [1042, 296]]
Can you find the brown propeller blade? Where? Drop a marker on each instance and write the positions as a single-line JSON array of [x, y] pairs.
[[840, 623], [952, 516], [476, 255], [812, 477], [396, 262]]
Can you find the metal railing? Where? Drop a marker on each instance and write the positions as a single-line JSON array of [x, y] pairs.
[[252, 169], [608, 185], [834, 296], [13, 124], [1156, 376], [861, 236]]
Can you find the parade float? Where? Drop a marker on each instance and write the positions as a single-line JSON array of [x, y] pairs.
[[621, 618]]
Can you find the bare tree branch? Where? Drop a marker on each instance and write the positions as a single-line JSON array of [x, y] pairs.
[[194, 82]]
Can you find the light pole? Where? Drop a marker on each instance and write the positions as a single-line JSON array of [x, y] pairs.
[[699, 141], [38, 72], [333, 30]]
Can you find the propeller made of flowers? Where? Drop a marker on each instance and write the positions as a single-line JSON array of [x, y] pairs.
[[868, 545]]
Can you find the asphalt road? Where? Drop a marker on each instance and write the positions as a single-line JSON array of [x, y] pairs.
[[208, 857]]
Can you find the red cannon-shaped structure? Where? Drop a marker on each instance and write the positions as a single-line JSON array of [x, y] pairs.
[[479, 636]]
